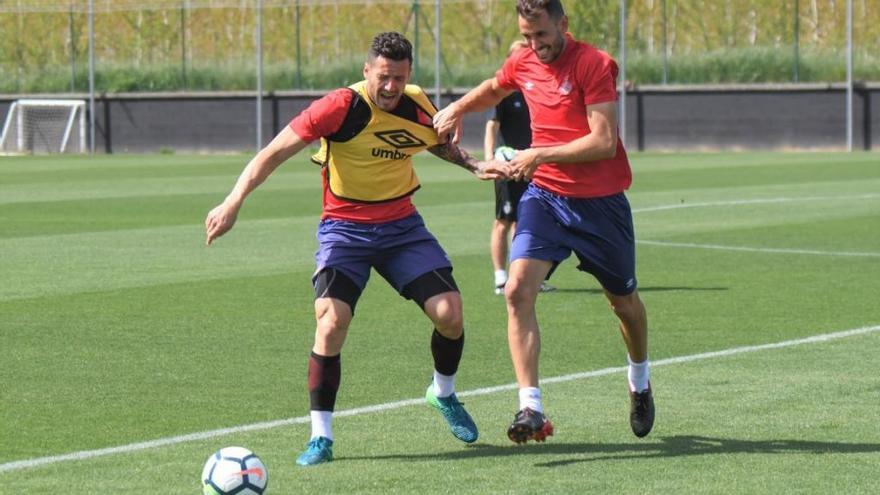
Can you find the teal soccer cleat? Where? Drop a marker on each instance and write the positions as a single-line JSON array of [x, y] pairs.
[[318, 451], [460, 422]]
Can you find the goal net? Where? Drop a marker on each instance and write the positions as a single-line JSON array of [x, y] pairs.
[[45, 126]]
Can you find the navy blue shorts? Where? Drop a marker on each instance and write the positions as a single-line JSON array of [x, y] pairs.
[[400, 251], [598, 230]]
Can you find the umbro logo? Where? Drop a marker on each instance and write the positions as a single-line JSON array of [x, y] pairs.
[[529, 85], [400, 139]]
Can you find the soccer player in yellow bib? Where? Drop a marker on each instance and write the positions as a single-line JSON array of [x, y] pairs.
[[369, 132]]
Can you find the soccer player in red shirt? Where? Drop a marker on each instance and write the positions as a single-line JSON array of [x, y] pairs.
[[369, 132], [575, 202]]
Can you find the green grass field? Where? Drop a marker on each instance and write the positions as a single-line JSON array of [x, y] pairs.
[[119, 327]]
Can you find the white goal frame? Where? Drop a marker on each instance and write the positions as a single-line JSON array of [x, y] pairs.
[[15, 123]]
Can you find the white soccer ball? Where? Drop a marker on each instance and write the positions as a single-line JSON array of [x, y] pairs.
[[504, 154], [234, 470]]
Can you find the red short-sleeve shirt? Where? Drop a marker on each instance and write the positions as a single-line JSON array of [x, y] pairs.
[[322, 118], [557, 95]]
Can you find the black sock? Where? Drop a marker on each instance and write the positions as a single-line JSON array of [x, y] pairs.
[[446, 352], [324, 375]]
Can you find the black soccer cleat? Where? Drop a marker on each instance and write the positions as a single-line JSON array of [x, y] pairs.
[[529, 425], [641, 412]]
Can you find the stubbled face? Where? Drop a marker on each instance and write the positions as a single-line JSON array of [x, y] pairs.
[[544, 36], [385, 81]]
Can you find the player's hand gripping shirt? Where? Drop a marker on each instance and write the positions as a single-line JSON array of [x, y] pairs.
[[366, 152], [557, 95]]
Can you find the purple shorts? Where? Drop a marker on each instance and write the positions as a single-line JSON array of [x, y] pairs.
[[598, 230], [400, 251]]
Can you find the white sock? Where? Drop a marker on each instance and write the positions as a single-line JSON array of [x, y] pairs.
[[444, 385], [500, 277], [531, 397], [638, 375], [322, 424]]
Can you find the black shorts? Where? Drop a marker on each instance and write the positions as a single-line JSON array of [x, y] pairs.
[[507, 194], [334, 283]]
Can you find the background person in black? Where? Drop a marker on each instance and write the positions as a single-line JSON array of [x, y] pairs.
[[511, 118]]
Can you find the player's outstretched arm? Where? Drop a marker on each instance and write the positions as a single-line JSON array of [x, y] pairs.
[[221, 219], [486, 170], [483, 97]]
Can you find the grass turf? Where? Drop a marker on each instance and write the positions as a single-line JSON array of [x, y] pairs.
[[120, 326]]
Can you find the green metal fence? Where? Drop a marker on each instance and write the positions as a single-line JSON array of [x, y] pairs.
[[98, 46], [309, 44]]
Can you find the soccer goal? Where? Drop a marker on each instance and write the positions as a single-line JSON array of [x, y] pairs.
[[45, 126]]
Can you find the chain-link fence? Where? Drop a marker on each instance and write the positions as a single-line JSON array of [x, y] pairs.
[[162, 45], [105, 47]]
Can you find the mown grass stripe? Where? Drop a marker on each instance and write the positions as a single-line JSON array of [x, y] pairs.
[[134, 447], [721, 247]]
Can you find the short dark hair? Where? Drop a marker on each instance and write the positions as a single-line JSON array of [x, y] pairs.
[[391, 45], [530, 9]]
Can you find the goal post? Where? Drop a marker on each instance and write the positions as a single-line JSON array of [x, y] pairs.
[[44, 126]]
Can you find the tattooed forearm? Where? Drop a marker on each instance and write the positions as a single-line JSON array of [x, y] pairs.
[[453, 154]]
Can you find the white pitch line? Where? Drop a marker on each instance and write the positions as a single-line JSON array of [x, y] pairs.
[[124, 449], [738, 202], [760, 250], [757, 201]]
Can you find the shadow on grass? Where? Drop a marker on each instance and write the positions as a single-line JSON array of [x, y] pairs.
[[676, 446], [641, 289]]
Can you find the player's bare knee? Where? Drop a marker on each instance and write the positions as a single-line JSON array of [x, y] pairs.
[[437, 294], [446, 314], [519, 295], [330, 334], [332, 320]]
